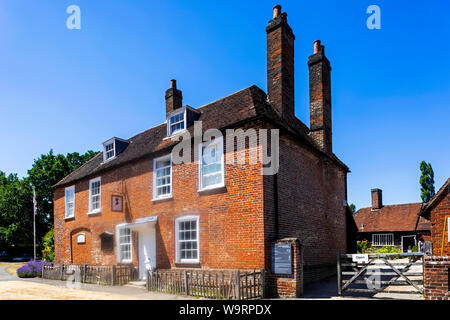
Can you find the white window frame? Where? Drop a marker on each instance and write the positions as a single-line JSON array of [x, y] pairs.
[[169, 126], [448, 229], [66, 215], [382, 243], [155, 188], [107, 143], [91, 211], [119, 251], [177, 243], [200, 164]]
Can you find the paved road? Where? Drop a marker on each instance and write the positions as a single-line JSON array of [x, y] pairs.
[[4, 275]]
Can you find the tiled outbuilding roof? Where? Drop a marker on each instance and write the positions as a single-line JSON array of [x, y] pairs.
[[398, 217], [235, 109]]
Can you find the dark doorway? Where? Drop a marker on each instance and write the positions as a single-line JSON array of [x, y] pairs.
[[408, 242]]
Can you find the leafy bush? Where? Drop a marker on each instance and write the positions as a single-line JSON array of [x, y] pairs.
[[361, 246], [385, 249], [415, 249], [48, 242], [32, 269]]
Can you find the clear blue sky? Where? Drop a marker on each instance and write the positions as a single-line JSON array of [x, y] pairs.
[[70, 90]]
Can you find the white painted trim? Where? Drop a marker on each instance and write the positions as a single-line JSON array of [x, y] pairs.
[[177, 247], [113, 141], [118, 227], [90, 211], [448, 229], [221, 184], [383, 234], [174, 113], [65, 202], [166, 196]]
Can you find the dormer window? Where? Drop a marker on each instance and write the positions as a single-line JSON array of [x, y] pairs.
[[176, 122], [110, 151], [113, 147]]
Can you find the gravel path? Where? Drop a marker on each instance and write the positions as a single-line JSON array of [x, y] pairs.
[[13, 287]]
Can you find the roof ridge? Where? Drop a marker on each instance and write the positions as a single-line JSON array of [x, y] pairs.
[[74, 171], [223, 98]]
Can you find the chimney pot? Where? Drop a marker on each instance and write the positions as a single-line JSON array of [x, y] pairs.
[[276, 11], [173, 84], [316, 46]]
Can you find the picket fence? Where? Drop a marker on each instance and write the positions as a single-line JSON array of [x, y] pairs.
[[101, 275], [209, 284]]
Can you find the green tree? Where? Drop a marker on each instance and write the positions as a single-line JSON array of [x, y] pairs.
[[16, 199], [352, 208], [426, 181], [48, 244], [16, 207], [48, 170]]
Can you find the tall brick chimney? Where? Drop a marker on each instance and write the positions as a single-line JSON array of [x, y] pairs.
[[280, 64], [174, 98], [377, 201], [320, 97]]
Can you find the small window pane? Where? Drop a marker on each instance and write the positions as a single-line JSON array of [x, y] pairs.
[[211, 164], [162, 177], [187, 239]]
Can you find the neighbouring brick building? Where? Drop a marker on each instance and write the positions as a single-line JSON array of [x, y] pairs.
[[437, 267], [132, 204], [398, 225]]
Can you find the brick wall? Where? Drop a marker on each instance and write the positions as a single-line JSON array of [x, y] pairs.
[[436, 274], [237, 223], [231, 219], [310, 194], [438, 216]]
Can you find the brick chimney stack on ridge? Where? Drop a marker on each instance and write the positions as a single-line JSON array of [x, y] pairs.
[[280, 64]]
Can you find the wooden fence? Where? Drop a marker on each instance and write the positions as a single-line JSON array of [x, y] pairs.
[[208, 284], [101, 275], [381, 273]]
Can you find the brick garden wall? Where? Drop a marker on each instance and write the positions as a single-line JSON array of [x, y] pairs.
[[436, 273]]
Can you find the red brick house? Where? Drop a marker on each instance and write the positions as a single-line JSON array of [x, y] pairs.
[[437, 267], [132, 204], [437, 211], [398, 225]]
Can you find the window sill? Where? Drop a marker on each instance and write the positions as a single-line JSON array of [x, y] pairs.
[[188, 262], [212, 190], [69, 218], [175, 135], [93, 213], [125, 262], [108, 160], [162, 199]]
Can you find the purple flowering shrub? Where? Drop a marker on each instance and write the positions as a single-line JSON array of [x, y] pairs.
[[32, 269]]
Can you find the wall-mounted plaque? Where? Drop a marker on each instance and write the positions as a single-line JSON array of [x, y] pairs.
[[117, 203], [282, 258], [81, 238]]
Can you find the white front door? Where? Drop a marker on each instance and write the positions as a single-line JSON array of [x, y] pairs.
[[147, 251]]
